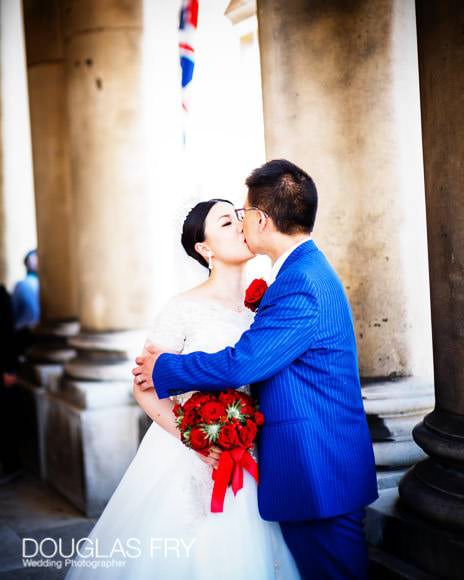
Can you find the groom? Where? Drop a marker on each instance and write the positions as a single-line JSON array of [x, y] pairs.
[[317, 470]]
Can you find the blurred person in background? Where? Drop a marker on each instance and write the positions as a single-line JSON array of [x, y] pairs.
[[26, 304]]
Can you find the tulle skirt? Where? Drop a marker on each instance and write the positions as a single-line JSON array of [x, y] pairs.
[[158, 525]]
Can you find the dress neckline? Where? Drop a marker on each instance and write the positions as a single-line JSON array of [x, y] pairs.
[[216, 303]]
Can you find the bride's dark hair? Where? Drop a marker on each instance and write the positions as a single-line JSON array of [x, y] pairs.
[[193, 231]]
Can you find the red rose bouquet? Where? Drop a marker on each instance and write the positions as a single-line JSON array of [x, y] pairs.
[[228, 420], [254, 294]]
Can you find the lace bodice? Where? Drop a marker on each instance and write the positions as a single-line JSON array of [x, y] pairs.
[[190, 324], [187, 325]]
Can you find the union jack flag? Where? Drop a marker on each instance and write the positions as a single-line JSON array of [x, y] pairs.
[[187, 28]]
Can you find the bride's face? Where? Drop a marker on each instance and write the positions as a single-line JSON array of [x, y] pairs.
[[224, 235]]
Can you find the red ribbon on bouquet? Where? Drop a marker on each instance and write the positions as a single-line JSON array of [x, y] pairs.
[[230, 470]]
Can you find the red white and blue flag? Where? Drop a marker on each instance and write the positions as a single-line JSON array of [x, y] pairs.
[[187, 28]]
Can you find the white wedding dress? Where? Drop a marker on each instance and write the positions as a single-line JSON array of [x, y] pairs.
[[158, 523]]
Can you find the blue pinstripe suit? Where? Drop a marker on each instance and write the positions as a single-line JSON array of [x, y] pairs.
[[315, 453]]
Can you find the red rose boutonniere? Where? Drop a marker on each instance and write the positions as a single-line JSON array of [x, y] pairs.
[[255, 293]]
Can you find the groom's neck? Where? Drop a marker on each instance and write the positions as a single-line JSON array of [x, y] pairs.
[[281, 243]]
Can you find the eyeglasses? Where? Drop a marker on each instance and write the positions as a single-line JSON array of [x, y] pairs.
[[240, 213]]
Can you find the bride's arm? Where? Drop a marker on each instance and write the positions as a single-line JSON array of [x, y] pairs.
[[159, 410], [168, 329]]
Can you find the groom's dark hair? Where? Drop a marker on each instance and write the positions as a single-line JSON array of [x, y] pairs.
[[286, 193]]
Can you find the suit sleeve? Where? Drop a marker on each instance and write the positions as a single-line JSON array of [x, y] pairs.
[[283, 329]]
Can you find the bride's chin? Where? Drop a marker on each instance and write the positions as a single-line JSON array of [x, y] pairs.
[[244, 260]]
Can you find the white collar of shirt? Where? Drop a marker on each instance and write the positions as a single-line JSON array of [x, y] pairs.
[[281, 259]]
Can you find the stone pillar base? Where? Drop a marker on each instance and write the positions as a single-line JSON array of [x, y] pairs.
[[50, 351], [407, 545], [93, 425], [393, 407], [89, 449], [38, 375], [434, 488], [31, 397]]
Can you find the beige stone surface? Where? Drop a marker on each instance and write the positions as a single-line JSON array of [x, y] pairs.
[[43, 28], [341, 99], [87, 16], [50, 148], [52, 180], [113, 226], [239, 10]]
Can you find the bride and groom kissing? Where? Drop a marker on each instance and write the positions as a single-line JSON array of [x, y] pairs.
[[298, 356]]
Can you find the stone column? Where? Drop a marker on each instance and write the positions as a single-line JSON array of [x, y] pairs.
[[434, 488], [50, 148], [113, 221], [95, 423], [341, 99], [52, 181]]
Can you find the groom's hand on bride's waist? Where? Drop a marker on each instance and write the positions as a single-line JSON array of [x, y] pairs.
[[143, 372]]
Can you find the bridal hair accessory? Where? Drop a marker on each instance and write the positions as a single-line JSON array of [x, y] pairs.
[[182, 208], [228, 420], [254, 294]]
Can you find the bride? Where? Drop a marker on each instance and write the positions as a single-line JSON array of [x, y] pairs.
[[158, 522]]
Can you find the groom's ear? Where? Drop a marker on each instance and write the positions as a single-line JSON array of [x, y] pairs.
[[262, 221]]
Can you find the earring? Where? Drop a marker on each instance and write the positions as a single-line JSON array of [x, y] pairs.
[[210, 261]]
